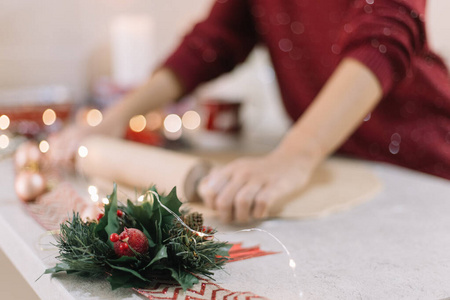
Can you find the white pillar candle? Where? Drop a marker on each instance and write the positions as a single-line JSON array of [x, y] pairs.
[[132, 49]]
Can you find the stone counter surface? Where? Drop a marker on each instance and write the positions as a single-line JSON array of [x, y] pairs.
[[396, 246]]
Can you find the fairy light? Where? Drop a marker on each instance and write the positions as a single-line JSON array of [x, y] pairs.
[[172, 123], [292, 264], [83, 151], [4, 141], [95, 197], [141, 198], [105, 201], [44, 146], [49, 116], [138, 123], [191, 120], [4, 122], [94, 117], [92, 189]]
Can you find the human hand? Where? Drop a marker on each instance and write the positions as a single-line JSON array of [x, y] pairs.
[[64, 145], [251, 188]]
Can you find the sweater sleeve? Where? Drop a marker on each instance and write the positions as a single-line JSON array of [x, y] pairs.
[[215, 45], [385, 35]]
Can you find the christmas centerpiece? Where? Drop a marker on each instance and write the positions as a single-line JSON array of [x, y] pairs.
[[140, 242]]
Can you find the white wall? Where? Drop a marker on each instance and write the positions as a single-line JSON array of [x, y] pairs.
[[67, 42]]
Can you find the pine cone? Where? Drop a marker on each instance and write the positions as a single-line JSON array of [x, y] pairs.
[[194, 220]]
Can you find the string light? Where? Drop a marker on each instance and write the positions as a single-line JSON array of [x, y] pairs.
[[83, 151], [191, 120], [94, 198], [4, 122], [4, 141], [49, 117], [172, 123], [44, 146], [105, 201], [94, 117], [138, 123], [92, 190]]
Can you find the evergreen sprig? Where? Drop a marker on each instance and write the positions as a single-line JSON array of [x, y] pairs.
[[174, 250]]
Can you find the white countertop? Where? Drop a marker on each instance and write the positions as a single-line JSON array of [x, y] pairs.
[[396, 246]]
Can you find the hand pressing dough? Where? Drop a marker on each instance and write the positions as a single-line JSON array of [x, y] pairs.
[[337, 185]]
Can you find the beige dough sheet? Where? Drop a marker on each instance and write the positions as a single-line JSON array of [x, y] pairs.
[[338, 184]]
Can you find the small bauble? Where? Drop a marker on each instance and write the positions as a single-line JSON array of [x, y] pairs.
[[29, 185], [131, 238], [27, 153]]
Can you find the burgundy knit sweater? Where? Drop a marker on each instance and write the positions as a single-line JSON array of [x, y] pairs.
[[308, 38]]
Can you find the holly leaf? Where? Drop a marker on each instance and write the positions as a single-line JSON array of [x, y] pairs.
[[123, 259], [128, 270], [144, 215], [109, 223], [125, 280], [162, 253], [185, 279], [172, 202]]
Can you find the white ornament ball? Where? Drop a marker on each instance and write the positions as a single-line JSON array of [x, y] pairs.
[[26, 153], [29, 185]]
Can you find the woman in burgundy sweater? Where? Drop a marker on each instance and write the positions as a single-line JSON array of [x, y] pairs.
[[337, 63]]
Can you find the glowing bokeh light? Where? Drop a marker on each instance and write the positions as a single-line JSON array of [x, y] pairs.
[[49, 116], [83, 151], [92, 190], [44, 146], [172, 123], [138, 123], [94, 197], [141, 198], [4, 122], [94, 117], [191, 120], [4, 141], [105, 201]]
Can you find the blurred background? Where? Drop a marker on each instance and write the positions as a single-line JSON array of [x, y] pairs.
[[78, 52]]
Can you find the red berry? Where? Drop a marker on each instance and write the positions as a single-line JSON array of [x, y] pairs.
[[114, 237], [99, 216], [119, 213], [123, 235], [131, 239]]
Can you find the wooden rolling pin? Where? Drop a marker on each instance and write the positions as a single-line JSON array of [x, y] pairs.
[[141, 166]]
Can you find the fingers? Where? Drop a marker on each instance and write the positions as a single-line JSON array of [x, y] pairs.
[[250, 189], [233, 198], [225, 200], [211, 185], [245, 201]]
